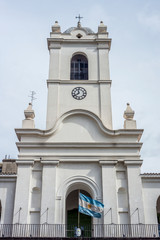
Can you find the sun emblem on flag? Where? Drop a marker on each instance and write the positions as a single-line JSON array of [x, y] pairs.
[[89, 206]]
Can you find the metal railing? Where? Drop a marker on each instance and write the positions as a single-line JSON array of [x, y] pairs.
[[94, 230]]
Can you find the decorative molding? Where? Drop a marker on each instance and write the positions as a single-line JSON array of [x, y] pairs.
[[23, 162], [49, 162], [135, 162], [87, 182], [103, 46], [76, 145], [80, 158], [44, 133], [8, 178], [113, 162], [35, 210], [55, 81], [121, 210]]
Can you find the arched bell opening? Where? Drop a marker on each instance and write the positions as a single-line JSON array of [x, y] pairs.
[[79, 67], [158, 210], [75, 219]]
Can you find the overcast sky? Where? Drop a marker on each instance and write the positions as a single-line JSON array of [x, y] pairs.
[[133, 25]]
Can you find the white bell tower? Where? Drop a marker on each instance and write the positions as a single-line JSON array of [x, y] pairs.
[[79, 76], [79, 150]]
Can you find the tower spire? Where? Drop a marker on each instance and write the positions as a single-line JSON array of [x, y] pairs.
[[79, 20]]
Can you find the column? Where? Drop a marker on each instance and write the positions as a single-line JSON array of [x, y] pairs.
[[22, 196], [135, 192], [48, 192], [109, 191]]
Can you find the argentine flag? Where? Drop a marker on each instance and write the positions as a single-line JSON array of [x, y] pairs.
[[90, 206]]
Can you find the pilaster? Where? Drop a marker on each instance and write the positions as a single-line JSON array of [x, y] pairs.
[[105, 104], [48, 192], [103, 56], [52, 104], [135, 192], [54, 64], [109, 191], [22, 196]]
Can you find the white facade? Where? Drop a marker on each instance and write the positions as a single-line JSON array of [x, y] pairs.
[[79, 149]]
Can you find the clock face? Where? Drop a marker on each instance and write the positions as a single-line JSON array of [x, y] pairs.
[[79, 93]]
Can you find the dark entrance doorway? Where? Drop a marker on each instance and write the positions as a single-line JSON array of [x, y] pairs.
[[158, 210], [158, 213], [72, 215]]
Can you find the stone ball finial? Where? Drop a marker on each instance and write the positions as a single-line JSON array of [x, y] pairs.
[[56, 28], [129, 113], [102, 28], [29, 112]]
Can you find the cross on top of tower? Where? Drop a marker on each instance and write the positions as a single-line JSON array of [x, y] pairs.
[[79, 20]]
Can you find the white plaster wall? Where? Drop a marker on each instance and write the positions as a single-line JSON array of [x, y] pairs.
[[103, 64], [54, 65], [109, 193], [105, 106], [80, 151], [23, 193], [135, 194], [48, 193], [67, 102], [80, 121], [7, 197], [35, 218], [151, 192], [89, 50], [98, 99], [79, 128], [52, 104]]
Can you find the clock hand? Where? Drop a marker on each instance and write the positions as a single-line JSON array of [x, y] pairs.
[[78, 92]]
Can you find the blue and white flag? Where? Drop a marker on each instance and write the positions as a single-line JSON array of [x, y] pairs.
[[90, 206]]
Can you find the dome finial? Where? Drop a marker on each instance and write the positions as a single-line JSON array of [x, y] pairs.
[[79, 21], [129, 123]]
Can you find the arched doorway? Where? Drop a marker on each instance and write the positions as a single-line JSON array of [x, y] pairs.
[[72, 215], [158, 210]]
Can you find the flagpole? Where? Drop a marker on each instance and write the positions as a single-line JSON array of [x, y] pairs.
[[78, 210]]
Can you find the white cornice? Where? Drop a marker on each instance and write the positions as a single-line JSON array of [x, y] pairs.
[[49, 162], [77, 40], [26, 162], [77, 145], [54, 43], [113, 162], [55, 81], [73, 158], [8, 178], [129, 162], [43, 133]]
